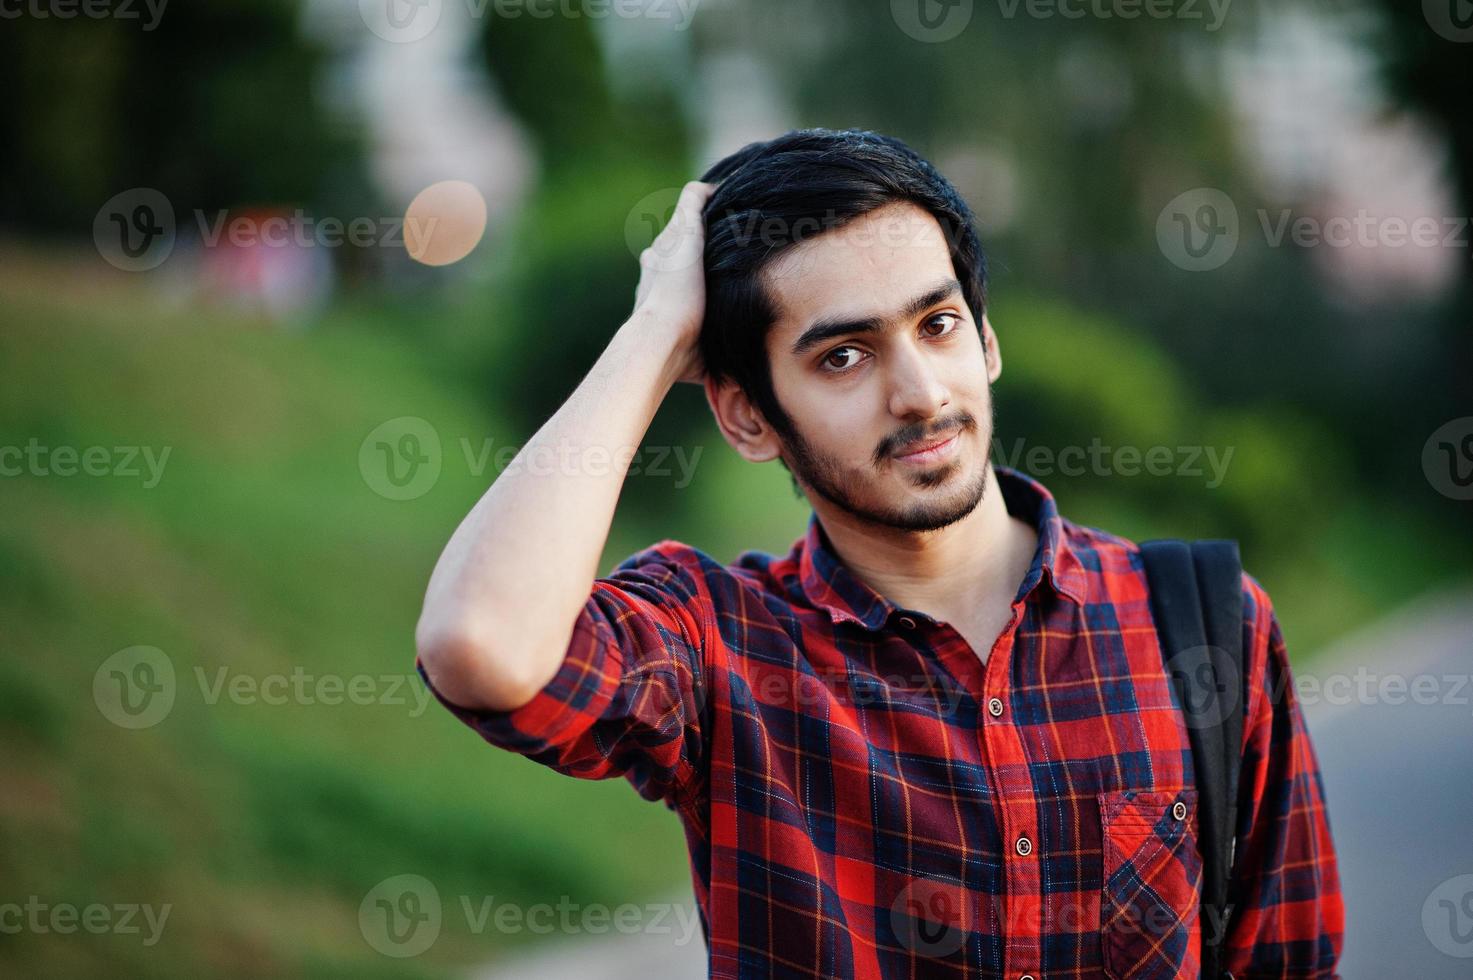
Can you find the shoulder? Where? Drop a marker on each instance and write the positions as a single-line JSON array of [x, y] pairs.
[[1111, 562], [1116, 560], [669, 564], [689, 574], [1099, 549], [672, 558], [1258, 608]]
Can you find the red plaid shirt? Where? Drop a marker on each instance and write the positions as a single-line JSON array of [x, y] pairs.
[[863, 796]]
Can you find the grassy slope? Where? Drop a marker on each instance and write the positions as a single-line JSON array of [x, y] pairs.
[[261, 550]]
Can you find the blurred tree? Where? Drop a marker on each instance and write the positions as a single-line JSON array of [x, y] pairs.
[[1433, 73], [607, 158], [214, 105]]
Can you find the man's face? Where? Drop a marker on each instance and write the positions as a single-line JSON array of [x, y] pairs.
[[874, 354]]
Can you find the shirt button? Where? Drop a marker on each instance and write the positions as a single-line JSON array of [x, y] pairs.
[[907, 623], [1025, 846], [994, 707], [1179, 811], [1026, 976]]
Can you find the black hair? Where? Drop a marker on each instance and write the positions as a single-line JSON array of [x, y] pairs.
[[770, 196]]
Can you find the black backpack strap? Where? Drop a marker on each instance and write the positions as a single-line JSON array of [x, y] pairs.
[[1196, 595]]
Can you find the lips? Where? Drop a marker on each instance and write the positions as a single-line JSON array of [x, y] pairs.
[[928, 444]]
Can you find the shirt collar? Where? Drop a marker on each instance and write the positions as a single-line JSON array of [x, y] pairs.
[[829, 585]]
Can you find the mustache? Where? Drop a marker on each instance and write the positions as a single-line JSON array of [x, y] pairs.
[[961, 422]]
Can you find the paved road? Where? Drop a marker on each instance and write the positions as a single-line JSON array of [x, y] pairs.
[[1399, 781], [639, 956], [1398, 776]]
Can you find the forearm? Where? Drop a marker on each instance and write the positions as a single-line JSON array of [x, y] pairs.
[[502, 601]]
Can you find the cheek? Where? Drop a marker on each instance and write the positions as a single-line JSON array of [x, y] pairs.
[[835, 425]]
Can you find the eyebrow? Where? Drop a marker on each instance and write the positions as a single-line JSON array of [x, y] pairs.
[[825, 328]]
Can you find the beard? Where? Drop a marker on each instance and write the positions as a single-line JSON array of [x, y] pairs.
[[831, 479]]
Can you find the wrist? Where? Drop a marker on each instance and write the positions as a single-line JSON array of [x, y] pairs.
[[659, 335], [652, 319]]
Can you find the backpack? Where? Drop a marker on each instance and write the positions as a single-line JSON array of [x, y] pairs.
[[1197, 603]]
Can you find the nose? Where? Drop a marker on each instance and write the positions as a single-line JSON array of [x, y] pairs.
[[916, 388]]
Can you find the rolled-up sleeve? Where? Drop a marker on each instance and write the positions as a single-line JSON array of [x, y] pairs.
[[629, 697], [1289, 918]]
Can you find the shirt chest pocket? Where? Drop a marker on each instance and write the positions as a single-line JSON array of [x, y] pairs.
[[1151, 884]]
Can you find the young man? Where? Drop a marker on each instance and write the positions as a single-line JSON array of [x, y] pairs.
[[937, 737]]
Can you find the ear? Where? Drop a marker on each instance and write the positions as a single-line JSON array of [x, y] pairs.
[[741, 422], [991, 350]]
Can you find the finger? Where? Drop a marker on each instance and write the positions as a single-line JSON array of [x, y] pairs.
[[695, 194]]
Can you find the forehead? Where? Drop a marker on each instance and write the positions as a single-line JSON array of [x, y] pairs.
[[868, 267]]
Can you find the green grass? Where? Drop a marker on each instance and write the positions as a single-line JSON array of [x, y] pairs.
[[261, 550]]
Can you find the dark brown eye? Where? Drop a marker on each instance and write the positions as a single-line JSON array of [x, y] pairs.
[[943, 316]]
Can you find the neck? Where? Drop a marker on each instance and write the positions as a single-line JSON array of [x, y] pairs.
[[978, 561]]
